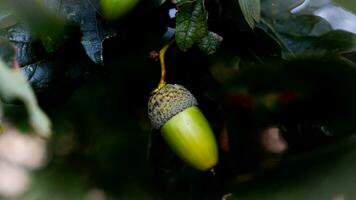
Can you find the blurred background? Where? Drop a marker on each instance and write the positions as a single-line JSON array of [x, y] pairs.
[[278, 92]]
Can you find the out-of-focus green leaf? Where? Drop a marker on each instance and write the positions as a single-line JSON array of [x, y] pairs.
[[225, 68], [327, 173], [50, 29], [333, 42], [306, 90], [8, 52], [191, 24], [347, 4], [7, 20], [278, 8], [14, 86], [337, 41], [304, 25], [181, 2], [114, 9], [157, 2], [55, 36], [307, 34], [210, 43], [251, 10]]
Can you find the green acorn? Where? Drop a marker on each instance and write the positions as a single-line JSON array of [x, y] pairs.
[[173, 110]]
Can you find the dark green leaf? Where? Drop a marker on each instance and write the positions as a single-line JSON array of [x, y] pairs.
[[327, 173], [251, 10], [304, 25], [347, 4], [55, 36], [210, 43], [307, 34], [50, 29], [279, 8], [316, 85], [7, 20], [191, 25], [7, 52], [85, 15], [333, 42], [157, 2], [337, 41], [181, 2], [225, 68]]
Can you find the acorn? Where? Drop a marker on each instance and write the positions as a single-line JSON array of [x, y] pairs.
[[173, 110]]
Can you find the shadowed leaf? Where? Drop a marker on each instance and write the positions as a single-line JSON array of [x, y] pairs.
[[210, 43], [251, 10], [191, 25]]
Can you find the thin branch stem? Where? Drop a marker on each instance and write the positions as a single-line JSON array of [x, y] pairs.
[[162, 54]]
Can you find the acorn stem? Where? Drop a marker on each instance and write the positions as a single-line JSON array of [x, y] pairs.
[[162, 54]]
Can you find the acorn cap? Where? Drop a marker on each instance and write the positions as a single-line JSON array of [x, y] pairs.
[[168, 101]]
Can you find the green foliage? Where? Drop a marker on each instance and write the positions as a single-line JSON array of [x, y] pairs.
[[14, 86], [192, 27], [251, 65], [278, 8], [49, 28], [114, 9], [306, 34], [210, 43], [191, 24], [347, 4], [251, 10], [7, 20], [326, 173], [182, 2]]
